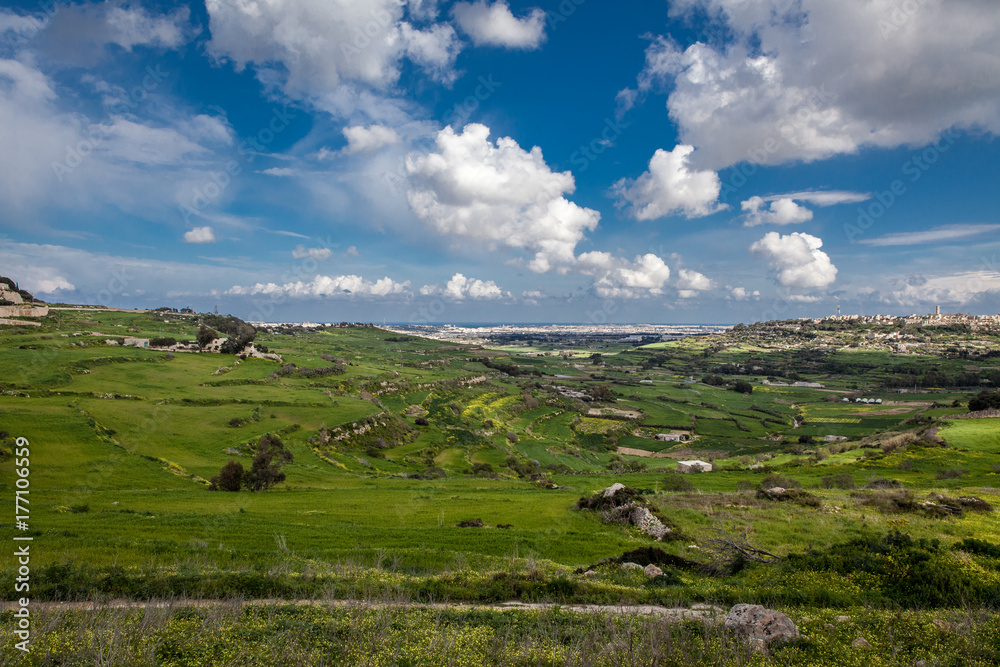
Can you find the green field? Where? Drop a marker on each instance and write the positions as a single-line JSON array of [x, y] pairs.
[[406, 437]]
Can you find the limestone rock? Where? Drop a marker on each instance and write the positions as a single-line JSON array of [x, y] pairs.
[[631, 566], [645, 521], [860, 642], [613, 489], [843, 619], [760, 626], [652, 571]]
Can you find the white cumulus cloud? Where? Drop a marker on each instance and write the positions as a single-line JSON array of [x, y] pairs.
[[326, 286], [495, 25], [362, 139], [782, 211], [671, 187], [460, 287], [46, 281], [741, 293], [316, 47], [499, 194], [797, 258], [301, 252], [619, 278], [199, 235], [690, 283], [811, 79]]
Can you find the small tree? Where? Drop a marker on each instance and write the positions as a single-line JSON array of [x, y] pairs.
[[601, 393], [230, 477], [743, 387], [206, 335], [266, 469], [985, 400]]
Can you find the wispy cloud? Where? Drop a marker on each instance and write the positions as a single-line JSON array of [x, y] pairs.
[[935, 235]]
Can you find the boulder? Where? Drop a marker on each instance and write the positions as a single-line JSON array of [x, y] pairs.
[[652, 571], [613, 489], [760, 626], [631, 566], [860, 642]]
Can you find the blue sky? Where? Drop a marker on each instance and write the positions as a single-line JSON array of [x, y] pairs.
[[666, 161]]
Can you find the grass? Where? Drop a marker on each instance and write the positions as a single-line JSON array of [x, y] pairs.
[[119, 504], [392, 634]]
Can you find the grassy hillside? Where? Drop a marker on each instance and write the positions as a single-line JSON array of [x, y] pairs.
[[396, 440]]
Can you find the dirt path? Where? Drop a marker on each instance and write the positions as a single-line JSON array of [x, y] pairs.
[[628, 451], [697, 611]]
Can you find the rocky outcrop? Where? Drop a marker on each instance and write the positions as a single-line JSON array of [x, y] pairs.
[[621, 504], [760, 626], [645, 521]]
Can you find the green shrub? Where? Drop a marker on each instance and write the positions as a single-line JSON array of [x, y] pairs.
[[677, 483], [841, 481], [903, 571], [979, 547], [774, 479]]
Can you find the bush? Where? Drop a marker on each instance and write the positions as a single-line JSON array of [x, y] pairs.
[[230, 477], [482, 469], [985, 400], [511, 436], [714, 380], [797, 496], [884, 483], [774, 480], [952, 473], [903, 571], [806, 439], [893, 502], [841, 481], [677, 483], [162, 342], [979, 547], [421, 421], [742, 387]]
